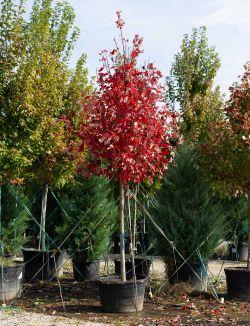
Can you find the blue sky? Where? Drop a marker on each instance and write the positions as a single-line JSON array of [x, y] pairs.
[[162, 24]]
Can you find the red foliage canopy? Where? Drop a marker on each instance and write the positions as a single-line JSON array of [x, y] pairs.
[[128, 128], [238, 110]]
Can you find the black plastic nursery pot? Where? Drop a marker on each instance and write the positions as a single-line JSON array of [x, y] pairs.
[[11, 280], [233, 252], [243, 251], [195, 274], [85, 271], [42, 265], [238, 282], [142, 266], [121, 296], [116, 246]]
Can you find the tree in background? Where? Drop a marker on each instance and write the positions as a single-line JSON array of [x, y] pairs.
[[189, 86], [37, 91], [13, 154], [14, 159], [128, 129], [225, 149], [53, 92]]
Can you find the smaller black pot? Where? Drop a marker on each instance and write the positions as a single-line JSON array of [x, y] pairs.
[[117, 296], [238, 282], [42, 265], [85, 271], [116, 246], [243, 251], [233, 252], [195, 274], [11, 280], [142, 267]]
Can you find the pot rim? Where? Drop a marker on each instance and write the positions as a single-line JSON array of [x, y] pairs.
[[114, 279], [17, 265], [237, 269]]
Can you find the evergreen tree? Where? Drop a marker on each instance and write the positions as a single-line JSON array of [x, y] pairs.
[[91, 216], [186, 211], [13, 222]]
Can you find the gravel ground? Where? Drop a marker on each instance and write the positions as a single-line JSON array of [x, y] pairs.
[[216, 267], [21, 318]]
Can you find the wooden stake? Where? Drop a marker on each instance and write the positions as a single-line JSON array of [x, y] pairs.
[[122, 234]]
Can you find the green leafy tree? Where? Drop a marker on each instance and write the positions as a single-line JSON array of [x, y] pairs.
[[13, 155], [53, 91], [14, 158], [191, 80], [37, 91], [203, 110]]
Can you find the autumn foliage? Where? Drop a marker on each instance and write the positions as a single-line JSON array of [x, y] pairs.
[[238, 110], [228, 140], [127, 127]]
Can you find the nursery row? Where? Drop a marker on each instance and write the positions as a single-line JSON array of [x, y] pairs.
[[166, 165], [82, 221]]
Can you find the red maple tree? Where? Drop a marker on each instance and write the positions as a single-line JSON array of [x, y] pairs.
[[128, 128]]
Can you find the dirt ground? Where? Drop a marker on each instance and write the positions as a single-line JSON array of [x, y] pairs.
[[41, 303]]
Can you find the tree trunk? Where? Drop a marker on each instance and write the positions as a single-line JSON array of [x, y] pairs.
[[248, 259], [122, 234], [134, 221], [42, 244]]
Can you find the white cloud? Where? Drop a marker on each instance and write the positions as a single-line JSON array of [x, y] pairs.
[[233, 13]]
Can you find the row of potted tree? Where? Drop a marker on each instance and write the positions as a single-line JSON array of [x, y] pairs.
[[122, 130]]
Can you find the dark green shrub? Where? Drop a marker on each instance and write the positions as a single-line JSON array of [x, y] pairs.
[[187, 212], [13, 220], [89, 205]]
